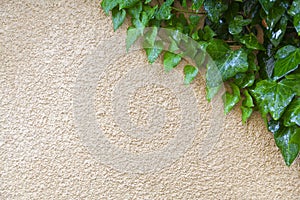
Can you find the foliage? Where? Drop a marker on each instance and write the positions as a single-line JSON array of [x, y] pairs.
[[255, 44]]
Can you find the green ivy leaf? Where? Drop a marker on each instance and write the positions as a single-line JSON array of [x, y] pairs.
[[295, 12], [287, 60], [251, 42], [164, 12], [128, 3], [276, 34], [190, 72], [208, 33], [215, 9], [211, 92], [230, 100], [171, 60], [246, 113], [155, 51], [132, 35], [248, 101], [287, 139], [233, 63], [291, 116], [275, 14], [108, 5], [292, 81], [217, 49], [244, 80], [236, 25], [267, 4], [136, 10], [118, 17], [197, 4], [272, 97]]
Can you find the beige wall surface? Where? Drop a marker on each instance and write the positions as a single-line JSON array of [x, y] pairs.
[[43, 48]]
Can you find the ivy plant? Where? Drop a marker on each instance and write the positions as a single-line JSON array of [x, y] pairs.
[[255, 45]]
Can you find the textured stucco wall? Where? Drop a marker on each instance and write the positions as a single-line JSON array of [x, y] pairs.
[[43, 45]]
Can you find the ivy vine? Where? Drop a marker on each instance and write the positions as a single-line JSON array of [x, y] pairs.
[[254, 43]]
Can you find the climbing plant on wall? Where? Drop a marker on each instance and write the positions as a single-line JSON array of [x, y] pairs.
[[255, 45]]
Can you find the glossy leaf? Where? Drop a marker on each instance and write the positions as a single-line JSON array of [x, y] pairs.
[[231, 99], [287, 60], [267, 4], [171, 60], [215, 9], [190, 72], [292, 114], [236, 25], [292, 81], [164, 12], [248, 101], [287, 141], [154, 52], [272, 97], [251, 42], [295, 12], [244, 80]]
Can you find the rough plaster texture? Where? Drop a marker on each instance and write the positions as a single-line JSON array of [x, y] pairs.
[[42, 47]]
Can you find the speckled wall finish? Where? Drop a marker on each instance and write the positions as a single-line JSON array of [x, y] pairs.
[[43, 45]]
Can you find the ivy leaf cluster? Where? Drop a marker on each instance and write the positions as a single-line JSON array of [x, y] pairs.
[[254, 44]]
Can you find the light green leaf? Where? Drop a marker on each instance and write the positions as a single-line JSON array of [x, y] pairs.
[[287, 60], [211, 92], [246, 113], [236, 25], [132, 35], [251, 42], [291, 116], [153, 53], [171, 60], [272, 97], [118, 17], [230, 100], [190, 72], [208, 33], [248, 101], [287, 139], [108, 5]]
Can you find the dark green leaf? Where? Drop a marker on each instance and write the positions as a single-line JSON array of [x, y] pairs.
[[267, 4], [236, 25], [215, 9], [197, 4], [272, 97], [287, 60], [190, 72], [251, 42], [164, 12], [244, 80], [127, 3], [118, 17], [230, 100], [136, 10], [291, 116], [287, 141], [171, 60], [208, 33], [275, 13], [277, 33], [217, 49], [108, 5], [295, 12], [246, 113], [194, 20]]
